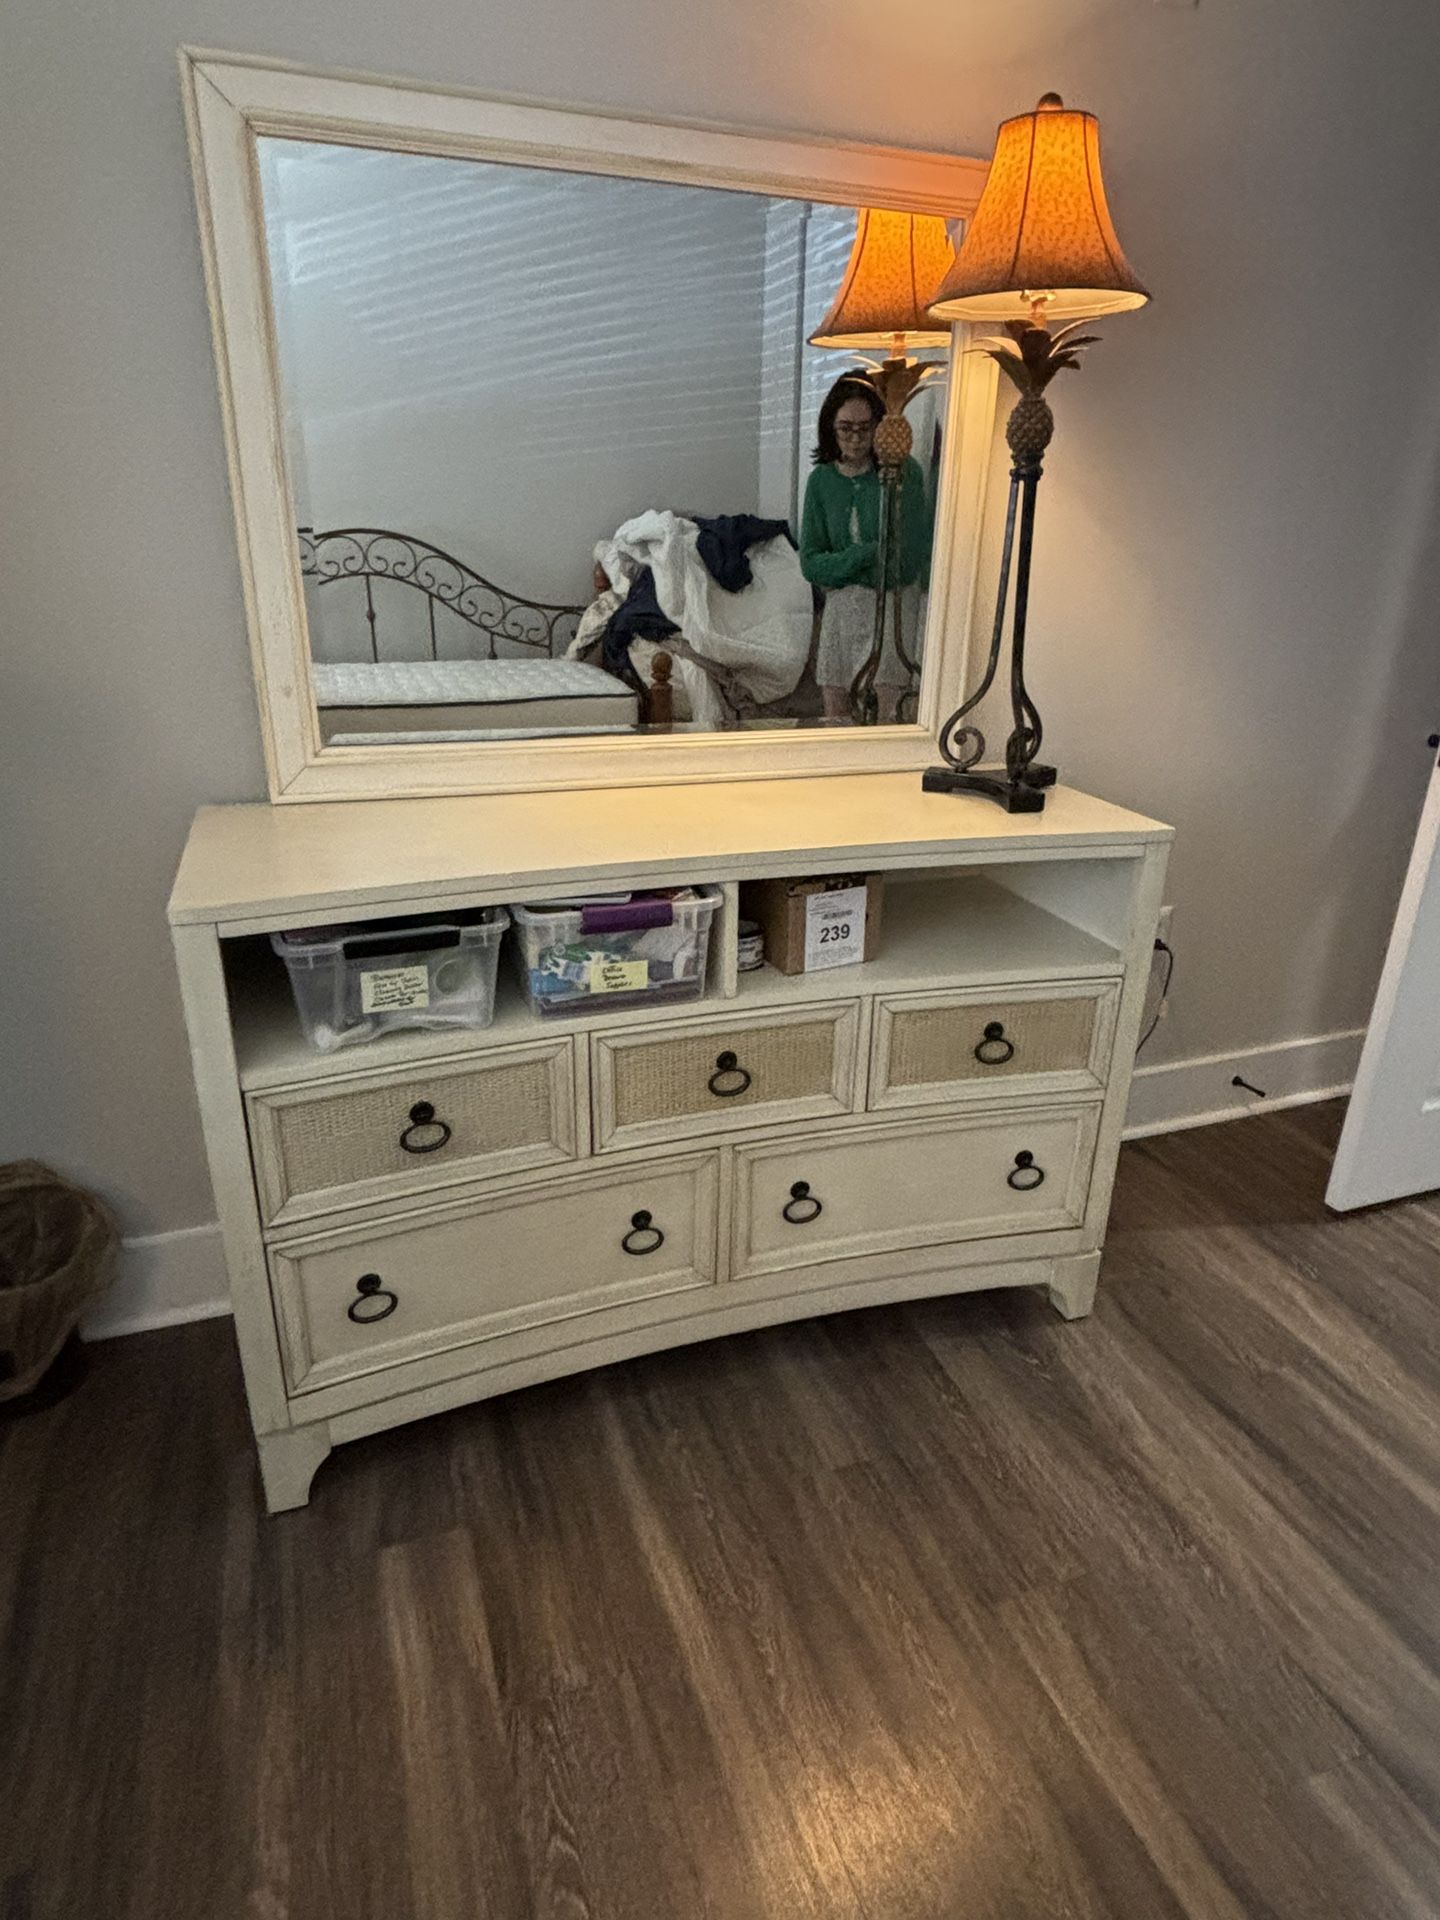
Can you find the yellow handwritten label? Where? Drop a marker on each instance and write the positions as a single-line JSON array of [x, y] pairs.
[[619, 976], [394, 989]]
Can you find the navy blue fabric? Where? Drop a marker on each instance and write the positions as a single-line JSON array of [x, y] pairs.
[[725, 542], [724, 548], [638, 617]]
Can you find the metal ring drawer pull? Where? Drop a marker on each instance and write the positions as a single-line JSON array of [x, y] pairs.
[[728, 1067], [1025, 1176], [801, 1196], [995, 1049], [380, 1301], [642, 1227], [422, 1116]]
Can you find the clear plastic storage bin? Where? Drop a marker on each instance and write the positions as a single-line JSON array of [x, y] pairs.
[[615, 950], [354, 983]]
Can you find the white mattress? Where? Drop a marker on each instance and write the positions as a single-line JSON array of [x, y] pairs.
[[407, 696], [451, 736]]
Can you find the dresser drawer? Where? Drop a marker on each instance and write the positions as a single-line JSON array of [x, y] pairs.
[[352, 1301], [933, 1049], [712, 1076], [318, 1149], [920, 1184]]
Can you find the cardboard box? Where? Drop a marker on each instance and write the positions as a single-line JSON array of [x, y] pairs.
[[787, 909]]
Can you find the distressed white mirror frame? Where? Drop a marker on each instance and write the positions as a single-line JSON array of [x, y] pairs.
[[230, 100]]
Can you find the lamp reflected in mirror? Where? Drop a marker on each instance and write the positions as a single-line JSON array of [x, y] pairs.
[[866, 534]]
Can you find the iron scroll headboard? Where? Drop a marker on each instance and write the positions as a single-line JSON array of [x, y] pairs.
[[369, 554]]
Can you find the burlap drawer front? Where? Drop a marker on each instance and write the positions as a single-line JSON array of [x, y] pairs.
[[660, 1087], [319, 1151], [933, 1046]]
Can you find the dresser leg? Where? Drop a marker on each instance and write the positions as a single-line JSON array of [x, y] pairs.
[[1072, 1286], [288, 1462]]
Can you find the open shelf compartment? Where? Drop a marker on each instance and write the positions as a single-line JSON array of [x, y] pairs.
[[974, 926]]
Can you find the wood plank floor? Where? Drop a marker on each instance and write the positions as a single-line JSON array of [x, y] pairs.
[[946, 1612]]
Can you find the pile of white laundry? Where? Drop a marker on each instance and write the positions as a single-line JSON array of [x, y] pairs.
[[758, 640]]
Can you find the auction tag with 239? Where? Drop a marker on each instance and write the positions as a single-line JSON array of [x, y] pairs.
[[834, 928]]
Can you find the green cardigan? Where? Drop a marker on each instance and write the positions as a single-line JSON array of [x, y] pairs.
[[829, 557]]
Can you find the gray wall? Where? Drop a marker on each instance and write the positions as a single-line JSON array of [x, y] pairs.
[[1238, 554]]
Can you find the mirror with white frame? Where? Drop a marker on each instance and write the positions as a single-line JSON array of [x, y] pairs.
[[556, 464]]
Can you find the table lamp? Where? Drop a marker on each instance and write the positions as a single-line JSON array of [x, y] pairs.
[[895, 263], [1040, 247]]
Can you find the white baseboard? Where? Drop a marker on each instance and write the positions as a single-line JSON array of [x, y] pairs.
[[1196, 1093], [163, 1278], [166, 1278]]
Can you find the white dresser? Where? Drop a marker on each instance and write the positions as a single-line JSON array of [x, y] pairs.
[[943, 1117]]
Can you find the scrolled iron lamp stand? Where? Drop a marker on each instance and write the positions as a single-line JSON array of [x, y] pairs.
[[1021, 787], [895, 381], [864, 701]]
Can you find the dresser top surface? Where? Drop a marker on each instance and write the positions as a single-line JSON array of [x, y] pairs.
[[256, 862]]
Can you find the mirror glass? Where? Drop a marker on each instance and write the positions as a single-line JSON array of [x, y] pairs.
[[551, 440]]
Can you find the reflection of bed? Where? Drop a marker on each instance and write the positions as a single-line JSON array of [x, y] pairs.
[[481, 697], [516, 687], [480, 663]]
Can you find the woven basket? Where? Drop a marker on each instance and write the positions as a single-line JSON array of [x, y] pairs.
[[57, 1255]]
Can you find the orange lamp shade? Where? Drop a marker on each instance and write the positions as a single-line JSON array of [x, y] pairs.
[[1042, 227], [895, 264]]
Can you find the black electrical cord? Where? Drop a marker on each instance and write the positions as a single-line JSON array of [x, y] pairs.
[[1160, 947]]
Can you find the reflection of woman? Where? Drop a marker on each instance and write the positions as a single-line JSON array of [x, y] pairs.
[[840, 549]]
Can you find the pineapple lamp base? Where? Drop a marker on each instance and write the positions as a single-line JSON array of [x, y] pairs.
[[1031, 357]]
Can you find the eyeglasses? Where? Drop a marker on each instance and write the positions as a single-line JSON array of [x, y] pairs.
[[855, 429]]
